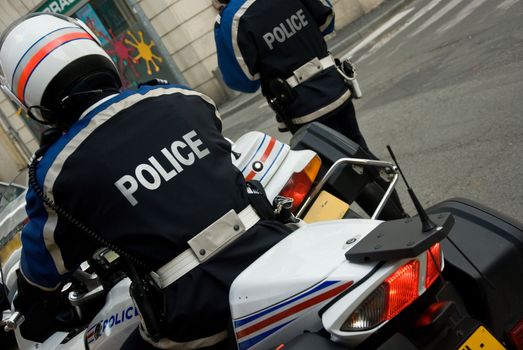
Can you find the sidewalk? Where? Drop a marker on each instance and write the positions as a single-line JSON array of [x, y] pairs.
[[344, 39]]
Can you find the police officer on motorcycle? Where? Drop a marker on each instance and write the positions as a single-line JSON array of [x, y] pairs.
[[145, 171], [280, 46]]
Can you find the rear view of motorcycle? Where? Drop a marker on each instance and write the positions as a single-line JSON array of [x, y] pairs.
[[450, 277], [460, 299]]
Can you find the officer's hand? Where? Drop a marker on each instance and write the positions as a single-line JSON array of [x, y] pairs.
[[39, 308]]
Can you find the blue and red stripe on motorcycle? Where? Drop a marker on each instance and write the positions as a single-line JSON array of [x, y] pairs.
[[254, 328], [267, 152], [93, 333]]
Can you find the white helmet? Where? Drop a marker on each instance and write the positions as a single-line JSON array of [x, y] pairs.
[[46, 57]]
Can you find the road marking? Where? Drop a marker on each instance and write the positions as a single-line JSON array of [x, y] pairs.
[[377, 33], [505, 5], [396, 49], [465, 12], [437, 16], [264, 104], [413, 19]]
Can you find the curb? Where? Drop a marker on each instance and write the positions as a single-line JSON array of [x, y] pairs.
[[357, 29]]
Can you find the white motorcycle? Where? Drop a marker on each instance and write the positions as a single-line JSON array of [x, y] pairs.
[[352, 283]]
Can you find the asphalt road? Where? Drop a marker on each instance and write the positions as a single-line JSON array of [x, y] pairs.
[[442, 82]]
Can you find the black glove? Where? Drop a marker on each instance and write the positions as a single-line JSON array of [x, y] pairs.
[[43, 310]]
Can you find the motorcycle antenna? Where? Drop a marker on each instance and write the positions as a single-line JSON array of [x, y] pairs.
[[427, 224]]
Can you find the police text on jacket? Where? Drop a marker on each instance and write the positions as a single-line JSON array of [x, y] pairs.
[[286, 29], [151, 174]]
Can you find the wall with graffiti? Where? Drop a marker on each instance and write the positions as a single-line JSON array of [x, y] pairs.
[[123, 37]]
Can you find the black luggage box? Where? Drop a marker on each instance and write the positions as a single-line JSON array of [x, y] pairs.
[[492, 287]]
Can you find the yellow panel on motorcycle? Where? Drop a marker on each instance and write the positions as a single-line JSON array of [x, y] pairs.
[[481, 339], [326, 207]]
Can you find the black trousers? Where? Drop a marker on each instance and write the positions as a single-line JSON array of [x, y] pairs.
[[343, 120]]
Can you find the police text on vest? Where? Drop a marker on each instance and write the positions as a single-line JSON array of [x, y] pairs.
[[286, 29], [151, 174]]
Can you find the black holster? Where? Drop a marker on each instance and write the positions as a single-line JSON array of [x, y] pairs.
[[265, 210], [44, 312], [280, 95], [259, 201], [150, 300]]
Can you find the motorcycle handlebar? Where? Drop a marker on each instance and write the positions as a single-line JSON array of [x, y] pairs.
[[12, 320]]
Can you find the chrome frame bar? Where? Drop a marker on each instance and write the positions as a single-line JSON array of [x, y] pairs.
[[354, 161]]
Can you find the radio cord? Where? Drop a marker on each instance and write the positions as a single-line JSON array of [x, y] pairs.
[[77, 223]]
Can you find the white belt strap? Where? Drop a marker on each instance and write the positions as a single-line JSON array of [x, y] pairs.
[[310, 69], [207, 243]]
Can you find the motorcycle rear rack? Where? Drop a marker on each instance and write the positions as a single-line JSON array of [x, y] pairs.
[[359, 162]]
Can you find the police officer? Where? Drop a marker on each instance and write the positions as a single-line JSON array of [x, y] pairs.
[[280, 46], [147, 170]]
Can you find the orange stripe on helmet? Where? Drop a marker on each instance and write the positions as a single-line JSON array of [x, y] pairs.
[[40, 55]]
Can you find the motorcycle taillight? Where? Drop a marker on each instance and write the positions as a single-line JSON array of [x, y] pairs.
[[434, 264], [299, 184], [397, 292], [516, 336], [403, 288]]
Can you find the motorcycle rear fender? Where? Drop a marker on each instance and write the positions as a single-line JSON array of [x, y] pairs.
[[492, 289]]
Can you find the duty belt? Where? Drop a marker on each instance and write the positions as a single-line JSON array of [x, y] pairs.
[[207, 243], [309, 69]]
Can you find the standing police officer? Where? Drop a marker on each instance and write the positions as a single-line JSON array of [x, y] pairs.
[[147, 170], [279, 46]]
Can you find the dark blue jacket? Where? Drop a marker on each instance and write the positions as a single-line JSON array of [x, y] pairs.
[[260, 40], [147, 170]]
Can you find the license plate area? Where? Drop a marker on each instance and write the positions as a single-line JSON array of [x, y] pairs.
[[481, 339]]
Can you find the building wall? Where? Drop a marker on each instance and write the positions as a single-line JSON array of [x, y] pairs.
[[9, 164], [186, 30], [17, 141]]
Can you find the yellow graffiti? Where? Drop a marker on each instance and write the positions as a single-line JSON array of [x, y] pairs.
[[145, 52]]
